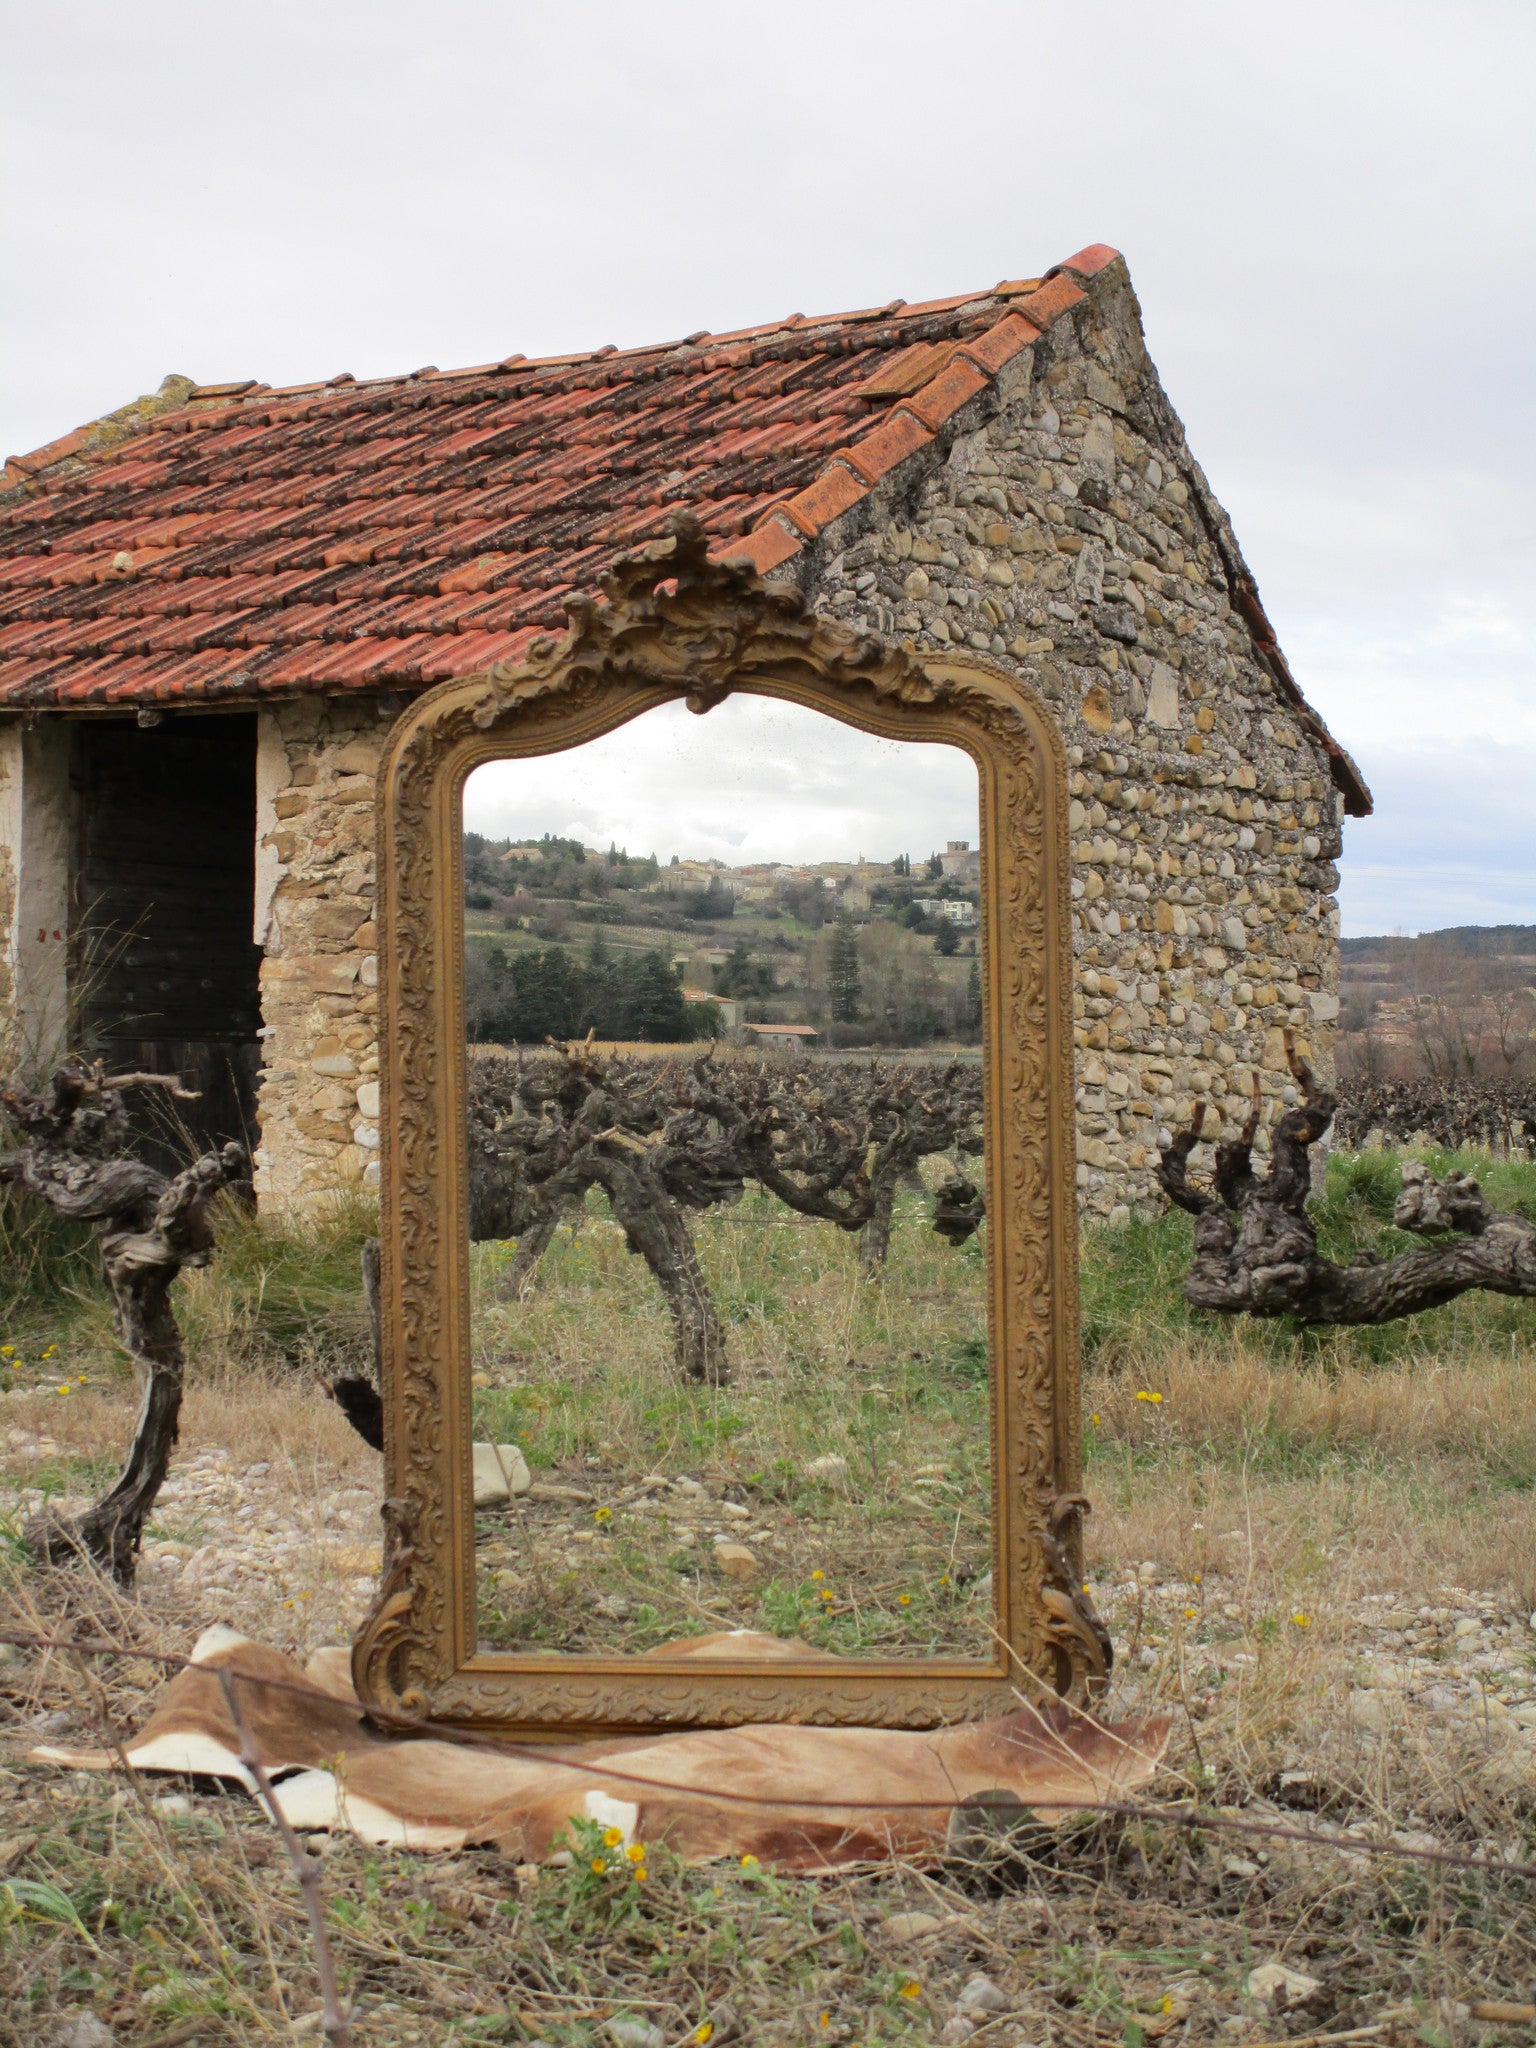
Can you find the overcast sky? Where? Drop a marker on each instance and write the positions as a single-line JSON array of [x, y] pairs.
[[1326, 209], [752, 780]]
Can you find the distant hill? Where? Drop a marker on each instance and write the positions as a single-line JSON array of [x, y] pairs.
[[1482, 941]]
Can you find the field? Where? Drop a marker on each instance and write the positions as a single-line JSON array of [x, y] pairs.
[[849, 1454], [1317, 1553]]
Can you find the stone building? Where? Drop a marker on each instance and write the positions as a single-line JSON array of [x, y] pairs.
[[213, 603]]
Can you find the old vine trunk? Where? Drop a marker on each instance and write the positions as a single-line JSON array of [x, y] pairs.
[[147, 1228], [1256, 1247]]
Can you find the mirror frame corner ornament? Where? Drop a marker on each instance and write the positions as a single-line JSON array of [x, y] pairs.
[[673, 623]]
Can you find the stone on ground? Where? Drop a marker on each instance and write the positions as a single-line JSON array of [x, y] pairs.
[[501, 1471]]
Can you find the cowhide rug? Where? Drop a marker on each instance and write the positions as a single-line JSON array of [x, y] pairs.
[[799, 1799]]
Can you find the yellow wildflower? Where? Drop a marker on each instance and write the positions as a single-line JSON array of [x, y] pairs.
[[749, 1863], [1143, 1395], [818, 1575], [1189, 1614], [598, 1866], [641, 1873], [612, 1837], [65, 1388], [636, 1852], [1302, 1620], [911, 1989], [602, 1514], [702, 2032], [903, 1599]]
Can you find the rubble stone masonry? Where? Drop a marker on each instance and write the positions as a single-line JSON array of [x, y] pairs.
[[317, 760], [1072, 537]]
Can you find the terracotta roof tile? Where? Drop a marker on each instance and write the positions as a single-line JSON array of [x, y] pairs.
[[235, 541], [1087, 262], [1056, 296]]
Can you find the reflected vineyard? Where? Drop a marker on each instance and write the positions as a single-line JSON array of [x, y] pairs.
[[726, 1171], [731, 1313], [835, 1493]]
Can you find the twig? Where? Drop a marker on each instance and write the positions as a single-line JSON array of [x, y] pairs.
[[306, 1868], [179, 2036], [804, 1947], [171, 1083], [1319, 2040]]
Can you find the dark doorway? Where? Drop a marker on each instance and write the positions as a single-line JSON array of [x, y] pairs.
[[165, 973]]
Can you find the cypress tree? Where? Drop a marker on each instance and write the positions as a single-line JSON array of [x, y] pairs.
[[845, 988]]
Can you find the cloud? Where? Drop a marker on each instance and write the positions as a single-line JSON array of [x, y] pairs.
[[752, 780], [1453, 840]]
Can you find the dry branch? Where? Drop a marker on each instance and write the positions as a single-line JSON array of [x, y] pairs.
[[1256, 1247], [664, 1138], [546, 1129], [147, 1228], [306, 1868]]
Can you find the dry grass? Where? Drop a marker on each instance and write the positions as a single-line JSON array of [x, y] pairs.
[[1403, 1480], [1287, 1501]]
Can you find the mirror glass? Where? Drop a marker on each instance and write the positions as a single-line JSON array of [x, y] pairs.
[[723, 997]]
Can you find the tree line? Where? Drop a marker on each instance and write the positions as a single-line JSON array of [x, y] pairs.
[[526, 998]]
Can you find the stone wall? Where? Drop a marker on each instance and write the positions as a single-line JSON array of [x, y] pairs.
[[319, 1101], [1072, 537]]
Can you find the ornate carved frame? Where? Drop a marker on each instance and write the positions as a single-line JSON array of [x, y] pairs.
[[675, 624]]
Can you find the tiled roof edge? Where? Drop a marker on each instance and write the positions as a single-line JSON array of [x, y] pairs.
[[178, 393], [911, 426], [99, 437]]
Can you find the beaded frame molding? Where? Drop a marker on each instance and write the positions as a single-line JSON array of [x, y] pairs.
[[673, 623]]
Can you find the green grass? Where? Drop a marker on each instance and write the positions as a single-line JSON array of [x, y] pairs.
[[890, 1376], [285, 1289], [46, 1262], [1279, 1474]]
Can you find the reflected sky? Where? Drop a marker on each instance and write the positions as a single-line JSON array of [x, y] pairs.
[[753, 780]]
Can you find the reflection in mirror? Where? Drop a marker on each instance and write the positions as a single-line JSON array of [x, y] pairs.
[[729, 1282]]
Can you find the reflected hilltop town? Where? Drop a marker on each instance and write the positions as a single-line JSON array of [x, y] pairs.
[[564, 938]]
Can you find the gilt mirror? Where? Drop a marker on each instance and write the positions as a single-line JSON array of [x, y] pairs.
[[727, 1239]]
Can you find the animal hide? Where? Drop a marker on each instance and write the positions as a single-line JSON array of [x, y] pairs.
[[799, 1799]]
